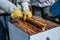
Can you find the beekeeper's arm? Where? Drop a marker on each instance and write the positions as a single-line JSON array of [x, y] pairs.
[[10, 8], [47, 2], [26, 10]]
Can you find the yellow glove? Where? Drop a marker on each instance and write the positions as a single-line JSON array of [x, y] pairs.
[[16, 14], [27, 13]]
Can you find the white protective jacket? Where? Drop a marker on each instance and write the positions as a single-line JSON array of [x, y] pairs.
[[9, 7], [42, 3]]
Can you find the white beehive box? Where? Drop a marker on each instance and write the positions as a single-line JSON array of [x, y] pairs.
[[17, 34]]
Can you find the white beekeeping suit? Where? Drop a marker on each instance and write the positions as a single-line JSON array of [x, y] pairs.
[[42, 3], [11, 8], [2, 11], [7, 6], [25, 4], [24, 0]]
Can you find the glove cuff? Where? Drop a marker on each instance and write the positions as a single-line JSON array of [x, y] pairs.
[[27, 11], [25, 6], [17, 9]]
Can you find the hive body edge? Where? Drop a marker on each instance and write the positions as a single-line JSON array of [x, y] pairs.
[[17, 34], [52, 34]]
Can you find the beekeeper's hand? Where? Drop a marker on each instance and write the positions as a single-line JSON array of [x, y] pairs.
[[26, 14], [16, 14]]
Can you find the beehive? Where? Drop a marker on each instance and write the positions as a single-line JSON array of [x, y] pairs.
[[32, 26]]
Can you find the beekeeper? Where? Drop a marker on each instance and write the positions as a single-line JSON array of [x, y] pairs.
[[41, 5], [15, 12]]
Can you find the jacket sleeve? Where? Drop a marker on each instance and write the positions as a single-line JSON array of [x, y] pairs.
[[25, 4], [45, 3], [7, 6], [42, 0], [25, 0]]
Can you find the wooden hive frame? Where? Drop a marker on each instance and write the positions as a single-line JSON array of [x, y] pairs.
[[34, 25]]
